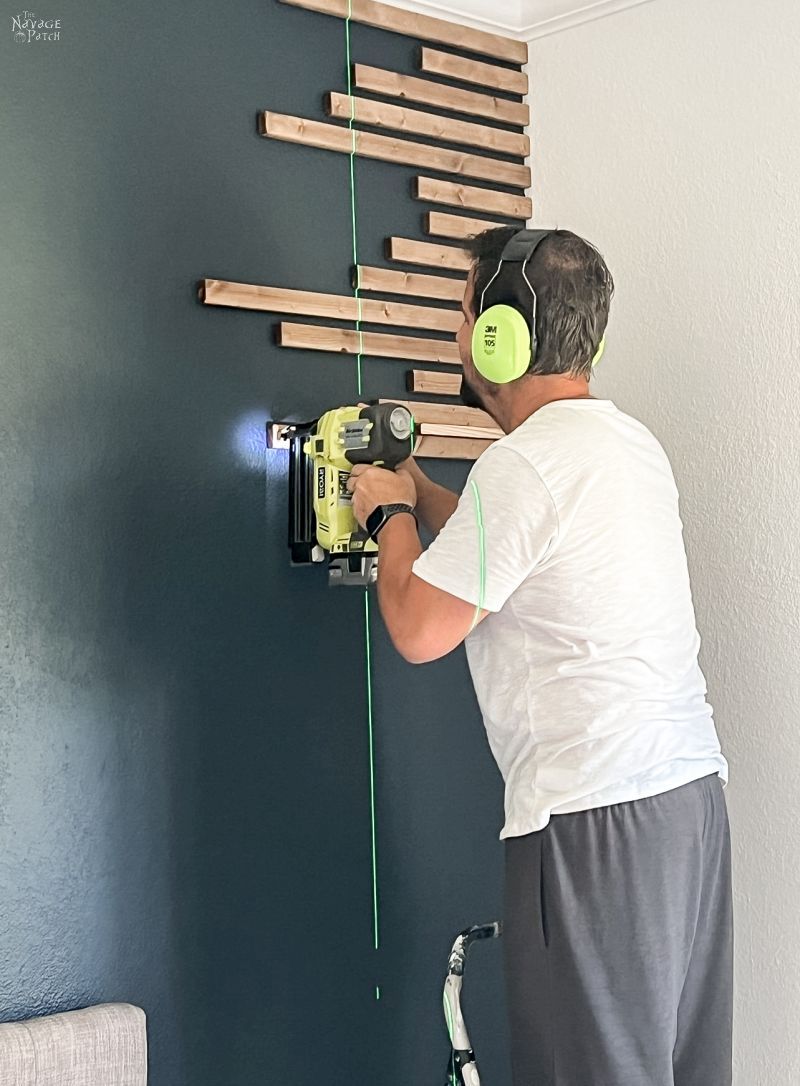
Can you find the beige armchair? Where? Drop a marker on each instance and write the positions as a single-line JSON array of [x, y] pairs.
[[98, 1046]]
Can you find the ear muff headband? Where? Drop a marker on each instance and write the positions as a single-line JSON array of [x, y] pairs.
[[598, 354], [503, 345]]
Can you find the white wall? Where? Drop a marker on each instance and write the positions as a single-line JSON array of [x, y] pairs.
[[669, 135]]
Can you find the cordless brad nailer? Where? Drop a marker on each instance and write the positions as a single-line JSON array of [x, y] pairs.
[[321, 456]]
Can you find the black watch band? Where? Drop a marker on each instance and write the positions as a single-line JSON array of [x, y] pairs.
[[379, 516]]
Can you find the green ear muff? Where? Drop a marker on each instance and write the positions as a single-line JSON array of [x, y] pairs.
[[501, 344], [599, 352]]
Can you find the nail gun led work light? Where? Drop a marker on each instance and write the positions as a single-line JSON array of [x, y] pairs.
[[321, 455]]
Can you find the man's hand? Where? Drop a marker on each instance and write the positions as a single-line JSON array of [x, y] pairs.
[[371, 487]]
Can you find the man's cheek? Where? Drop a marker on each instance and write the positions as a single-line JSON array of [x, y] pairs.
[[467, 395]]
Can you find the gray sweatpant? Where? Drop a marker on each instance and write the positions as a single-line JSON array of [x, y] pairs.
[[618, 939]]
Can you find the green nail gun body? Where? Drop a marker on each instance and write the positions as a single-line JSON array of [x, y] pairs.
[[321, 456]]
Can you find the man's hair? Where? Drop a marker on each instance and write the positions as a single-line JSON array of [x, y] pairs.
[[573, 293]]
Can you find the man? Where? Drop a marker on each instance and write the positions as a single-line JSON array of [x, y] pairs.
[[618, 917]]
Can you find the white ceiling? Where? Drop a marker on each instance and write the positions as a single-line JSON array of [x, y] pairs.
[[525, 19]]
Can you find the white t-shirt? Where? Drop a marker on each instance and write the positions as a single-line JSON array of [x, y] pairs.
[[586, 672]]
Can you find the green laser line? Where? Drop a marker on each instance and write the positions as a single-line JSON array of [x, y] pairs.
[[481, 557], [371, 771], [359, 384], [353, 193]]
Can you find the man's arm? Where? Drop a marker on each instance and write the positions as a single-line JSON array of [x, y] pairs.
[[435, 504], [484, 551], [423, 621]]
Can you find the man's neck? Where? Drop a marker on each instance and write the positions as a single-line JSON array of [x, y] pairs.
[[514, 405]]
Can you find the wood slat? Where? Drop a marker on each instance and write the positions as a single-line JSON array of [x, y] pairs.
[[429, 446], [448, 414], [333, 137], [376, 344], [306, 303], [447, 129], [472, 71], [433, 383], [483, 433], [424, 252], [472, 198], [441, 225], [415, 284], [427, 92], [424, 27]]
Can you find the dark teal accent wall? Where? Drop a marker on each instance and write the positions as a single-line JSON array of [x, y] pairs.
[[184, 797]]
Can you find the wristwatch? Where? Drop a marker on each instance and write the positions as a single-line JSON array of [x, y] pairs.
[[381, 513]]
